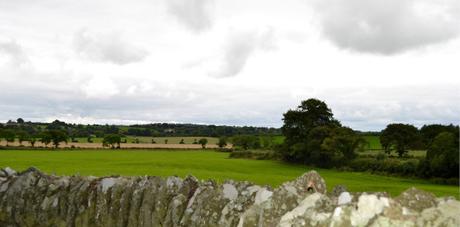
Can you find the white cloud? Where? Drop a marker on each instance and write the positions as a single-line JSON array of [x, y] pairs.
[[100, 88], [194, 14], [239, 47], [14, 52], [107, 48], [387, 27], [271, 54]]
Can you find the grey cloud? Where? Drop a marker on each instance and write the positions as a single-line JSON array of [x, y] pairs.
[[374, 108], [238, 49], [387, 27], [193, 102], [15, 52], [107, 48], [194, 14]]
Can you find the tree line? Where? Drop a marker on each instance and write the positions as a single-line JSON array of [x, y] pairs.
[[32, 131], [314, 137]]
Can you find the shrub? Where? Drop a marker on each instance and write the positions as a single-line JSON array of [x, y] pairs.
[[251, 154]]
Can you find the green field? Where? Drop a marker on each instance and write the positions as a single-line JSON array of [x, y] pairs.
[[373, 142], [203, 165]]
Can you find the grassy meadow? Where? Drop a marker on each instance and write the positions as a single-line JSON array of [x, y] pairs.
[[203, 164], [373, 142]]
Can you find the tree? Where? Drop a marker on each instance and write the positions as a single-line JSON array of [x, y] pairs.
[[246, 142], [311, 114], [429, 132], [442, 156], [20, 121], [112, 140], [32, 141], [222, 142], [58, 136], [46, 138], [9, 136], [398, 137], [203, 142], [343, 142], [23, 136]]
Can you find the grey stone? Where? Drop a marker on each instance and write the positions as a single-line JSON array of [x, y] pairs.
[[31, 198]]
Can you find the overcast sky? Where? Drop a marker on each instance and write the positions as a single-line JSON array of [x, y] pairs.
[[235, 62]]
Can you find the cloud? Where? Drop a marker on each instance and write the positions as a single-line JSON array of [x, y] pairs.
[[100, 88], [194, 14], [107, 48], [387, 27], [15, 53], [238, 49]]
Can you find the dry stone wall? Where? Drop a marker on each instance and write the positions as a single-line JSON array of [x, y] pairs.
[[32, 198]]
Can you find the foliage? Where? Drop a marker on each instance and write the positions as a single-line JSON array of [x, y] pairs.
[[429, 132], [45, 138], [313, 136], [57, 136], [246, 142], [23, 136], [390, 166], [398, 137], [222, 142], [309, 114], [9, 136], [254, 154], [442, 157], [112, 140], [203, 142]]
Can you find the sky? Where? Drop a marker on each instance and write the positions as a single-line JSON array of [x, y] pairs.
[[236, 62]]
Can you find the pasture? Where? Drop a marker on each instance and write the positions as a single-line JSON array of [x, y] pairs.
[[373, 142], [203, 164]]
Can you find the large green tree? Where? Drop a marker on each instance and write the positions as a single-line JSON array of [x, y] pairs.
[[442, 157], [309, 114], [429, 132], [398, 137], [304, 129]]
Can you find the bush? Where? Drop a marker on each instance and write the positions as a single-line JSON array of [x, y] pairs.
[[224, 149], [381, 156], [250, 154], [390, 166]]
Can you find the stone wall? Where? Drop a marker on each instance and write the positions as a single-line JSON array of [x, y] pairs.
[[32, 198]]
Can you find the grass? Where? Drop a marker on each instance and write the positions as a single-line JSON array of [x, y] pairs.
[[203, 165], [373, 142]]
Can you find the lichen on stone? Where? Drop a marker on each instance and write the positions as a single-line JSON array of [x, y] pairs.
[[32, 198]]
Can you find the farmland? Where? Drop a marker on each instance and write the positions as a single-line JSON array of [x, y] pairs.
[[203, 164]]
